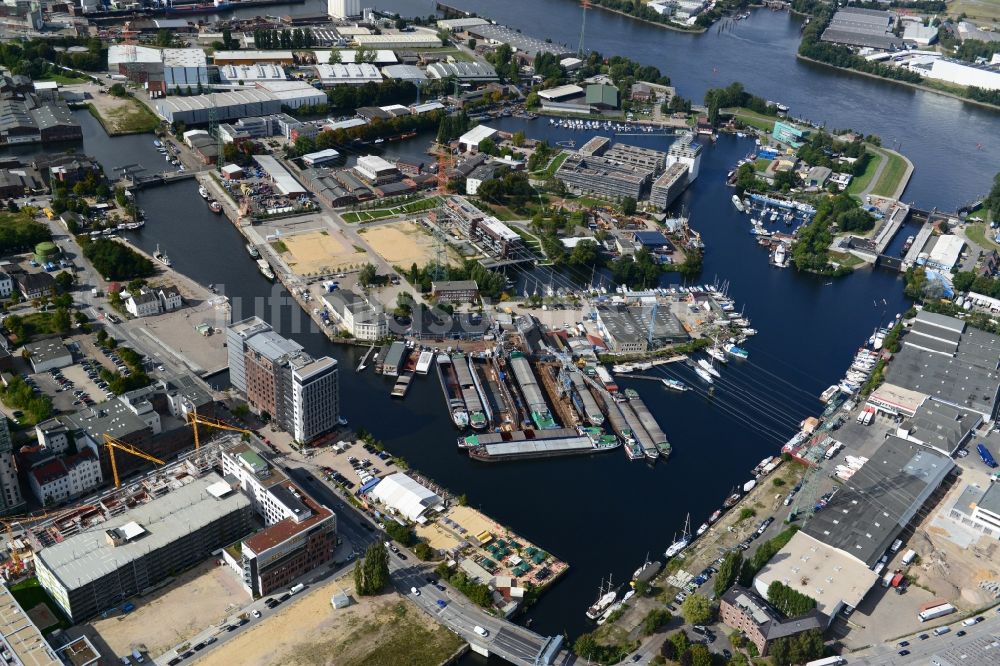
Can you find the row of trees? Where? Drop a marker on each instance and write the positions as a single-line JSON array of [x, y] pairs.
[[451, 127], [763, 555], [279, 39], [639, 271], [797, 649], [789, 601], [371, 573], [34, 57]]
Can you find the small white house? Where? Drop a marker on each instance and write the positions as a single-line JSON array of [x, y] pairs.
[[170, 298], [6, 285], [145, 303]]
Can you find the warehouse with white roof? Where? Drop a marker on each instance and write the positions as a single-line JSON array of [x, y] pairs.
[[348, 74], [472, 138], [403, 495]]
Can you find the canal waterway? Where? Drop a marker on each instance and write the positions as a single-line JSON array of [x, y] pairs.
[[602, 514], [954, 146]]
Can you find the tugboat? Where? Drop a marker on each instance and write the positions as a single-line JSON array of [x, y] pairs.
[[252, 251], [203, 192], [215, 207], [161, 257]]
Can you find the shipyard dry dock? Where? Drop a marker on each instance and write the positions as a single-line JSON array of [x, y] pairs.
[[470, 393], [584, 401]]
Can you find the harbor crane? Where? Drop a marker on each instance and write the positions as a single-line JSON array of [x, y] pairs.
[[194, 419], [114, 444]]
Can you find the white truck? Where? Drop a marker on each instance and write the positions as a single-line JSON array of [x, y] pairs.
[[909, 556]]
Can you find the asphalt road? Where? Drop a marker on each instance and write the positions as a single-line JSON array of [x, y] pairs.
[[921, 651]]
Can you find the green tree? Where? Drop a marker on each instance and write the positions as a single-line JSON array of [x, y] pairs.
[[371, 574], [728, 571], [655, 619], [696, 609], [368, 275], [628, 206], [700, 656], [65, 280], [584, 254]]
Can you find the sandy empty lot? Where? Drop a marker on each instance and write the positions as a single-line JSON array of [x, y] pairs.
[[373, 631], [199, 598], [318, 252], [404, 243]]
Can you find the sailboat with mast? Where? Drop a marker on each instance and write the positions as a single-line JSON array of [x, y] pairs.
[[677, 546], [605, 597]]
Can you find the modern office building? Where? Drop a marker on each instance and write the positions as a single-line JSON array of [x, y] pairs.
[[298, 392], [97, 569], [299, 534]]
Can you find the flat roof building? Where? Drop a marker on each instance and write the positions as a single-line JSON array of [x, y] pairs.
[[942, 427], [627, 328], [868, 28], [22, 636], [403, 40], [253, 57], [97, 569], [461, 23], [671, 183], [283, 180], [829, 576], [471, 139], [530, 46], [603, 177], [376, 170], [880, 499], [48, 354]]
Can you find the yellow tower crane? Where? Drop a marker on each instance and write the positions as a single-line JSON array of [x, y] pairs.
[[194, 419], [22, 522], [114, 444]]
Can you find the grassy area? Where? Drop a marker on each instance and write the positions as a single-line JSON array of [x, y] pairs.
[[395, 646], [860, 183], [63, 80], [40, 323], [532, 242], [985, 10], [549, 171], [279, 246], [130, 118], [977, 233], [761, 164], [846, 259], [29, 593], [417, 206], [752, 118], [891, 175]]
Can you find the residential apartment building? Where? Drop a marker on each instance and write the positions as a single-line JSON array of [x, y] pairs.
[[604, 177], [685, 151], [298, 392], [669, 186], [299, 534], [11, 499], [65, 478], [6, 285], [99, 568]]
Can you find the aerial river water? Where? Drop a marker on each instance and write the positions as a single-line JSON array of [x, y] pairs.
[[604, 514]]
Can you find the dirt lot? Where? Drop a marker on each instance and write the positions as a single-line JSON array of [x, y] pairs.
[[119, 115], [403, 244], [197, 599], [317, 252], [380, 630]]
